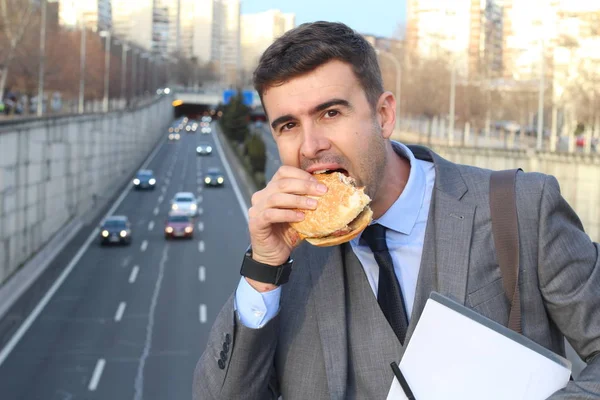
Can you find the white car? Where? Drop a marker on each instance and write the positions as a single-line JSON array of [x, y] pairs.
[[185, 203]]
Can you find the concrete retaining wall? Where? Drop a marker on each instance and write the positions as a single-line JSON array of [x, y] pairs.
[[578, 174], [53, 170]]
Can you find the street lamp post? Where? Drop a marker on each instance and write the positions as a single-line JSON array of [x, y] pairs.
[[40, 102], [398, 67], [125, 48], [81, 104], [134, 53], [106, 34], [540, 120], [452, 100]]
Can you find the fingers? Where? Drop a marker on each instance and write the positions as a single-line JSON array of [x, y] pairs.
[[285, 171]]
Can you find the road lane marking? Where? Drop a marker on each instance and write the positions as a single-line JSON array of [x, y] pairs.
[[199, 189], [160, 199], [97, 374], [24, 327], [200, 211], [167, 181], [139, 379], [201, 246], [201, 273], [134, 274], [200, 226], [120, 311], [236, 189], [151, 225], [200, 199], [155, 210], [144, 245], [203, 313], [164, 189], [200, 180]]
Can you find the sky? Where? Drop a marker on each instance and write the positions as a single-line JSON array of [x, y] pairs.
[[375, 17]]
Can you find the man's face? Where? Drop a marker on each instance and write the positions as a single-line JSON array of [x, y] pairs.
[[322, 121]]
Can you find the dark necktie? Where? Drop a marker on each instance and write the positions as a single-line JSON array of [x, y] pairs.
[[389, 294]]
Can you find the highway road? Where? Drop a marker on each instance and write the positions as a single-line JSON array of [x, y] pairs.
[[131, 322]]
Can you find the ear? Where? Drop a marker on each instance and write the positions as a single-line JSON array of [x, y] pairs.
[[386, 114]]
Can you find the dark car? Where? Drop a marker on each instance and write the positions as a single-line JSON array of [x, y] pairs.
[[179, 225], [214, 177], [144, 179], [115, 229], [204, 149]]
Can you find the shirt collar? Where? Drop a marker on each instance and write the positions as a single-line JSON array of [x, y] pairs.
[[402, 215]]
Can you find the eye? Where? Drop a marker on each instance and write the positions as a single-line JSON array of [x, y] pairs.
[[331, 113], [288, 126]]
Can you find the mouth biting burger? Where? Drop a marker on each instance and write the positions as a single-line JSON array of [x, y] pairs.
[[341, 214]]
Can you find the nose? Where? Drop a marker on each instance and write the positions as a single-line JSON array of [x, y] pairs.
[[313, 142]]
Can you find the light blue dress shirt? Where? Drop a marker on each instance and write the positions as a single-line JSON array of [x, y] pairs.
[[406, 221]]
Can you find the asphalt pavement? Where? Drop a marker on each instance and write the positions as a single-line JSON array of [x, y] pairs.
[[130, 322]]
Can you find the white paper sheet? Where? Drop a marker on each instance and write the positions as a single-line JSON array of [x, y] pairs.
[[455, 353]]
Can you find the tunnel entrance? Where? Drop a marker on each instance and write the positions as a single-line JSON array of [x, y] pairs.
[[193, 111]]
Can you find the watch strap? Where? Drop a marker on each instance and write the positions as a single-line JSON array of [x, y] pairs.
[[266, 273]]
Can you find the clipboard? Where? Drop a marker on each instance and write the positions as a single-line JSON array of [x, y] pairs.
[[456, 353]]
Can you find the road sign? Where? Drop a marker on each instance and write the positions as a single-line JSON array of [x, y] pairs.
[[228, 95]]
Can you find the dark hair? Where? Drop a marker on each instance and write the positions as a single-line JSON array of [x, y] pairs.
[[311, 45]]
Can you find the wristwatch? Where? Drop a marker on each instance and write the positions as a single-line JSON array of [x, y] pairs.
[[266, 273]]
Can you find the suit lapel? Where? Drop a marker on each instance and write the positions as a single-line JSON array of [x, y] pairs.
[[446, 249], [327, 275]]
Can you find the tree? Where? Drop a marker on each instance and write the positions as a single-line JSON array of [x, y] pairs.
[[190, 72], [236, 116], [16, 17], [257, 153]]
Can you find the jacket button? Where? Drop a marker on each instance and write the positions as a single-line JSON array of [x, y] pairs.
[[223, 356], [221, 364], [225, 347], [227, 338]]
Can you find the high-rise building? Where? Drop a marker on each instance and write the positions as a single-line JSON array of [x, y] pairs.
[[529, 36], [258, 31], [467, 32], [225, 46], [96, 14], [134, 21]]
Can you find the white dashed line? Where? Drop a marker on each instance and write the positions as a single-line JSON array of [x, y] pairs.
[[120, 311], [97, 374], [200, 199], [164, 189], [201, 246], [200, 180], [155, 210], [160, 199], [200, 226], [200, 211], [201, 273], [167, 181], [151, 225], [134, 273], [203, 313], [144, 245], [199, 189]]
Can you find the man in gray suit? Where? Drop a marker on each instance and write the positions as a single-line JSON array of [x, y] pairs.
[[329, 328]]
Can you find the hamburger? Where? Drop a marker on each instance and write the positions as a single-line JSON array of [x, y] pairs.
[[341, 214]]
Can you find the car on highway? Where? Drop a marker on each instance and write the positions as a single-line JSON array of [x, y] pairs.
[[204, 149], [185, 203], [174, 136], [214, 177], [144, 179], [179, 225], [115, 229]]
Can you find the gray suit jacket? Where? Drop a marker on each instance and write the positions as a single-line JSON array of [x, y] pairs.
[[303, 353]]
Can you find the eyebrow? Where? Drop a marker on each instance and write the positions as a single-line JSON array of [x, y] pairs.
[[323, 106]]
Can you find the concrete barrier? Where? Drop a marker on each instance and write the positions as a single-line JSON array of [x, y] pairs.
[[53, 170], [577, 173]]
